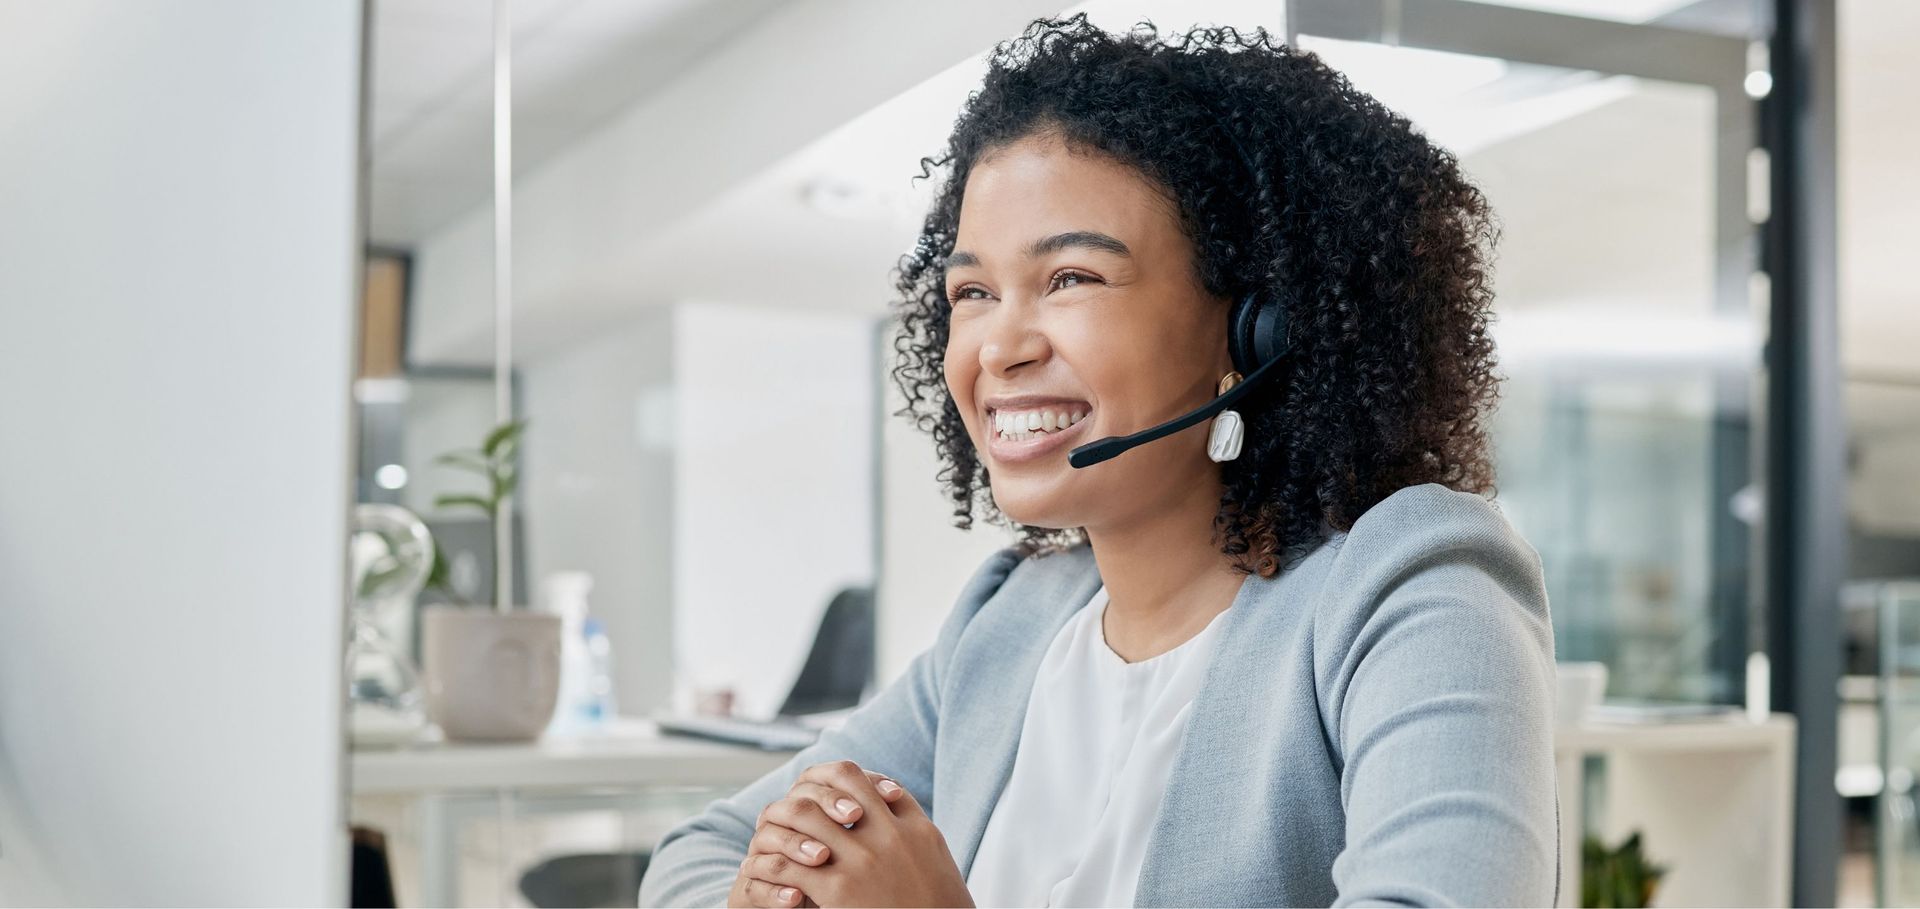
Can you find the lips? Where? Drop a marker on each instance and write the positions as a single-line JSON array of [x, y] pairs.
[[1024, 423], [1023, 430]]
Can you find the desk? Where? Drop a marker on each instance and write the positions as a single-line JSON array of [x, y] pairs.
[[629, 753], [450, 783], [1713, 800]]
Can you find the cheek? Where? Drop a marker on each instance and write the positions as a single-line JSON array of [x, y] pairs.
[[1113, 359]]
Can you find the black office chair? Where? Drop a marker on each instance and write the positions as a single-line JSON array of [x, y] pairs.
[[592, 880], [840, 663]]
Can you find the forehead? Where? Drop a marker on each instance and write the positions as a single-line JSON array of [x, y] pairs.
[[1037, 186]]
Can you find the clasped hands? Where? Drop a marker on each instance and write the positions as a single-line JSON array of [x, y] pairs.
[[846, 836]]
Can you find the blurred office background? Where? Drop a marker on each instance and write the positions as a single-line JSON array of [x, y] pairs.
[[1710, 428]]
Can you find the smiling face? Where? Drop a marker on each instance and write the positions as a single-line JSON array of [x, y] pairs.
[[1077, 315]]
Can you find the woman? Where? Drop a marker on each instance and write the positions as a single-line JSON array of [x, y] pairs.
[[1287, 656]]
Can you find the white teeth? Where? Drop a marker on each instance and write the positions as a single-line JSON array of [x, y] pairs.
[[1020, 425]]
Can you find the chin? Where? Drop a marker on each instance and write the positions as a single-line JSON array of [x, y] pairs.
[[1033, 509]]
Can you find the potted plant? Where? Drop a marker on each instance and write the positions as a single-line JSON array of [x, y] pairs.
[[491, 674], [1617, 878]]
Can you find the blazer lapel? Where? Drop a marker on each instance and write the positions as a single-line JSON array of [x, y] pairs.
[[989, 682]]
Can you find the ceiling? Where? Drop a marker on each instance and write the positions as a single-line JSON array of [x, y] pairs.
[[575, 63]]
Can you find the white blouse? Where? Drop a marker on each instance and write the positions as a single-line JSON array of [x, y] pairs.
[[1099, 739]]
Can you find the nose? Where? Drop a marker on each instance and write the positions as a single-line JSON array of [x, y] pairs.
[[1013, 339]]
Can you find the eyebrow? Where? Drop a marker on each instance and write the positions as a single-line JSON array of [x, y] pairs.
[[1073, 239]]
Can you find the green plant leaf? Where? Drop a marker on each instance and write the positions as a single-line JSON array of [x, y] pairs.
[[464, 501], [440, 578], [1617, 877], [466, 460], [502, 434]]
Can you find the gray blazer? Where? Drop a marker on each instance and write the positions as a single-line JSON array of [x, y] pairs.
[[1375, 727]]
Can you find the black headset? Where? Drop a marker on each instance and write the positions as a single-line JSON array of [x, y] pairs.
[[1256, 339]]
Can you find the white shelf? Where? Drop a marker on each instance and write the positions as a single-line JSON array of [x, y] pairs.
[[1732, 733], [1712, 798]]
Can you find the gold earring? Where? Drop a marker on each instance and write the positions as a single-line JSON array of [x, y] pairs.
[[1228, 430]]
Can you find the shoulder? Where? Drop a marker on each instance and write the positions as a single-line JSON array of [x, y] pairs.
[[1428, 527], [1013, 573], [1433, 513], [1432, 563], [1011, 564], [987, 579]]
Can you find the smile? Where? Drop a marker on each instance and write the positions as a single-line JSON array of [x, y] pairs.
[[1032, 431], [1020, 425]]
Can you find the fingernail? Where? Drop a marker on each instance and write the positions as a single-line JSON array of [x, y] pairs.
[[787, 894], [811, 849], [847, 806], [888, 787]]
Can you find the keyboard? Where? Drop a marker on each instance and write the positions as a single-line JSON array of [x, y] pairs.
[[774, 735]]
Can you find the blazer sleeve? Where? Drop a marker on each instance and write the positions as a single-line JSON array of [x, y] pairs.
[[1436, 667], [695, 862]]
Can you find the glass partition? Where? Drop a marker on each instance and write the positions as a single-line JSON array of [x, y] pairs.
[[1896, 606], [1623, 321]]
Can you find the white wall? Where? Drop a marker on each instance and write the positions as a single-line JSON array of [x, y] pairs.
[[177, 245], [774, 486], [598, 490]]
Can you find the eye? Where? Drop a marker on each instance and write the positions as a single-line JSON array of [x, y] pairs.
[[964, 292], [1061, 277]]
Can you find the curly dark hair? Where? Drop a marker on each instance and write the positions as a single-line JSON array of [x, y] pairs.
[[1367, 233]]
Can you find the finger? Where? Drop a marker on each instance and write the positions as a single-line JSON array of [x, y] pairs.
[[885, 785], [903, 802], [772, 896], [837, 803], [789, 842], [780, 871], [889, 790], [806, 816], [852, 779]]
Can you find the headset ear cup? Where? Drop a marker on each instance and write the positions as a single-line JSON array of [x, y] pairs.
[[1270, 333], [1242, 332]]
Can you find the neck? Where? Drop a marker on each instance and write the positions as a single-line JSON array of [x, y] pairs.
[[1165, 577]]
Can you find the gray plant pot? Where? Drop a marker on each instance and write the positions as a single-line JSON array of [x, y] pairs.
[[490, 676]]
